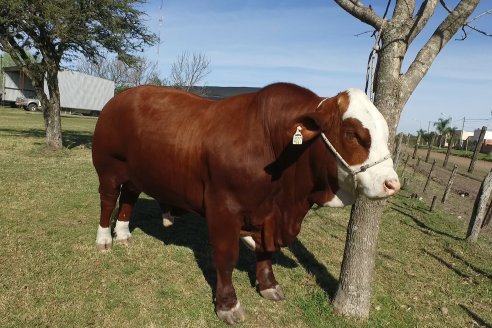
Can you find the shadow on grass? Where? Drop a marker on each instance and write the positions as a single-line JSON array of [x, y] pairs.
[[446, 264], [71, 139], [468, 264], [475, 317], [190, 231], [421, 225]]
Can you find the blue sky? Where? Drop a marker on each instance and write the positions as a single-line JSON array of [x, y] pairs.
[[312, 43]]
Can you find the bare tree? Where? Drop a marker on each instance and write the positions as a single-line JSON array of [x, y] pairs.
[[189, 70], [141, 71], [392, 89]]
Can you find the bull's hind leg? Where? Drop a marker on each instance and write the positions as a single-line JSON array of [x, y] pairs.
[[108, 195], [265, 280], [128, 198], [112, 174]]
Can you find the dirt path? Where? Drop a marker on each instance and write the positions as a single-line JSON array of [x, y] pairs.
[[465, 186]]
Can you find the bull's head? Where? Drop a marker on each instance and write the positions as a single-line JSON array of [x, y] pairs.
[[357, 134]]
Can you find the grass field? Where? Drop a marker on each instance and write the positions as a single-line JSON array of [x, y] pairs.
[[52, 275]]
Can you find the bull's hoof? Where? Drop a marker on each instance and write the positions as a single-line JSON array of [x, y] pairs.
[[103, 247], [167, 222], [232, 316], [274, 294]]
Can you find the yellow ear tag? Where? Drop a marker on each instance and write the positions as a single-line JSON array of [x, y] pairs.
[[297, 138]]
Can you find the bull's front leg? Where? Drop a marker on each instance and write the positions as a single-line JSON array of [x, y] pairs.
[[224, 236], [266, 283]]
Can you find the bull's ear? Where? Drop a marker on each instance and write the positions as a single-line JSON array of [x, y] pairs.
[[307, 125]]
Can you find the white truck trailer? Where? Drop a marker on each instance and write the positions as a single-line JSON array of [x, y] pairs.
[[79, 93]]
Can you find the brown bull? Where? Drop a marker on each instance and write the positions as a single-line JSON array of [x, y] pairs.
[[252, 165]]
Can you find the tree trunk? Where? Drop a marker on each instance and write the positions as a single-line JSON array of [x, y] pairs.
[[392, 90], [51, 113], [353, 297]]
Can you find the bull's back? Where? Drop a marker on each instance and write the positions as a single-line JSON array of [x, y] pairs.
[[155, 136]]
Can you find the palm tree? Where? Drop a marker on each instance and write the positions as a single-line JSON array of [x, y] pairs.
[[442, 127]]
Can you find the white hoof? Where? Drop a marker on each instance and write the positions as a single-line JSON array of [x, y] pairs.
[[249, 242], [167, 219], [122, 232], [232, 316], [103, 239], [274, 294]]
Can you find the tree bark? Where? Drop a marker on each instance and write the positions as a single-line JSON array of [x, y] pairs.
[[353, 297], [51, 112]]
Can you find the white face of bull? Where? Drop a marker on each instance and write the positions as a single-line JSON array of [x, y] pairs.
[[380, 180]]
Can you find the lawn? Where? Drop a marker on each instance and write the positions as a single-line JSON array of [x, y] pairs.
[[52, 275]]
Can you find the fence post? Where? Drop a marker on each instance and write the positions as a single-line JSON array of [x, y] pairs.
[[445, 163], [450, 183], [477, 149], [430, 148], [479, 209], [416, 166], [417, 142], [429, 176], [397, 151], [405, 165], [433, 204]]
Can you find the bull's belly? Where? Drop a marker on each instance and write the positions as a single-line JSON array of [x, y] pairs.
[[182, 191]]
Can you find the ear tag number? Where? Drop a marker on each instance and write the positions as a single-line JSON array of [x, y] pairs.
[[297, 138]]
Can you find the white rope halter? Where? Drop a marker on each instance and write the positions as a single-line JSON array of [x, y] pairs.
[[352, 172]]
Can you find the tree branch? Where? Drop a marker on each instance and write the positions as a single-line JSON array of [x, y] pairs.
[[467, 24], [361, 12], [437, 41], [425, 12]]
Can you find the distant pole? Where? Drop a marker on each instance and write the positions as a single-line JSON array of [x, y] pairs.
[[429, 176], [462, 131], [450, 183], [477, 149]]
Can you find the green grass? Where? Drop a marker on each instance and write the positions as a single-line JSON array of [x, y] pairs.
[[52, 275]]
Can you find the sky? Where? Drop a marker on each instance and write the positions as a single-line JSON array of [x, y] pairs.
[[313, 43]]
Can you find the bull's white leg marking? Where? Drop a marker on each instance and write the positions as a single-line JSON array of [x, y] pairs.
[[122, 231], [249, 242], [232, 316], [103, 238], [167, 219]]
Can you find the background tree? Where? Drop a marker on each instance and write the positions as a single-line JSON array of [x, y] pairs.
[[392, 89], [188, 70], [443, 129], [56, 31], [140, 71]]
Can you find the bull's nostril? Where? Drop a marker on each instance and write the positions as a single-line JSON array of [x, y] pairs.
[[392, 186]]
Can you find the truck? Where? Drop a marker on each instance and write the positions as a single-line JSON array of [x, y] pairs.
[[79, 93]]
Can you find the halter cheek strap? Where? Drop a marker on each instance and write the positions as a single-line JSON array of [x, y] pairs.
[[352, 172]]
